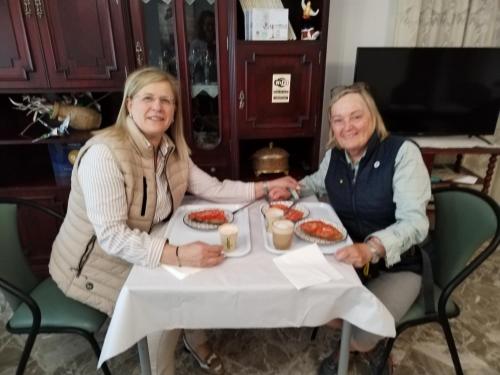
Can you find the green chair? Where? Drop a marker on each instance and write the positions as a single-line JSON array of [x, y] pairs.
[[38, 306], [465, 220]]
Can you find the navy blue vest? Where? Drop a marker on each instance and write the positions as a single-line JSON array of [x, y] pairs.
[[365, 205]]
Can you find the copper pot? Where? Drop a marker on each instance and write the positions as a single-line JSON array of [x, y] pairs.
[[270, 160]]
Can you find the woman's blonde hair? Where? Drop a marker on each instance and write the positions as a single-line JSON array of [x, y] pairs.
[[136, 82], [362, 89]]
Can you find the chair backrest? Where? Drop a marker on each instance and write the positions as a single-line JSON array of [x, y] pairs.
[[14, 267], [465, 219]]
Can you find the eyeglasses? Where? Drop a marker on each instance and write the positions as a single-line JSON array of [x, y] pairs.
[[150, 99], [356, 87]]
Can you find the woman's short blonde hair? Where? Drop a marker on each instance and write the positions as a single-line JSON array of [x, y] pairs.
[[136, 82], [362, 89]]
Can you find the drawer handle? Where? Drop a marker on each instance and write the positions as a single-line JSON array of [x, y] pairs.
[[39, 8], [242, 99], [27, 8], [139, 54]]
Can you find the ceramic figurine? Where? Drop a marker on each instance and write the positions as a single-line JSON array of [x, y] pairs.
[[307, 32]]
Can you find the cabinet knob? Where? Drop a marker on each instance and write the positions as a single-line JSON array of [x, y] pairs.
[[213, 169], [242, 99]]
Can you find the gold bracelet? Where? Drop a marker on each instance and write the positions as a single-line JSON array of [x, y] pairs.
[[177, 256]]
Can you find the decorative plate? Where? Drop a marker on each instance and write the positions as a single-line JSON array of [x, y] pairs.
[[320, 241], [298, 207], [206, 226]]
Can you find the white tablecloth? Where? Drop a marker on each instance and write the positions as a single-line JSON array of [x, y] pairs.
[[246, 292]]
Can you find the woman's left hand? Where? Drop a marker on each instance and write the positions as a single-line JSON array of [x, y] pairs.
[[357, 254]]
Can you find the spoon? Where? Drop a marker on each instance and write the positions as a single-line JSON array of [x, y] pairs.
[[242, 207]]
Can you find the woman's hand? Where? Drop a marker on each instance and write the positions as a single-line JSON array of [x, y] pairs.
[[200, 254], [279, 188], [194, 254], [279, 193], [357, 254]]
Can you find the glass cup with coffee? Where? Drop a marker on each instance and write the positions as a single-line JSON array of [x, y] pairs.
[[282, 234], [228, 236], [272, 214]]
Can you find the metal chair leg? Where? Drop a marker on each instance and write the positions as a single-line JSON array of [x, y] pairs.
[[387, 352], [97, 350], [28, 346], [445, 324], [314, 333]]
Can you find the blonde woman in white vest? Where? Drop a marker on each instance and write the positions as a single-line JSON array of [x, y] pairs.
[[127, 182]]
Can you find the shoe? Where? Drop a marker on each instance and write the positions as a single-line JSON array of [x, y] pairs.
[[212, 364], [373, 361], [330, 365]]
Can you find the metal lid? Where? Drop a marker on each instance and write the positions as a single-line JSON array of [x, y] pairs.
[[270, 152]]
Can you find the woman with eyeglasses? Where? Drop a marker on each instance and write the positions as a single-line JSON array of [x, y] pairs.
[[126, 184], [379, 187]]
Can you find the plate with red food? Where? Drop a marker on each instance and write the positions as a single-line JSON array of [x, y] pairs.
[[296, 213], [320, 231], [207, 218]]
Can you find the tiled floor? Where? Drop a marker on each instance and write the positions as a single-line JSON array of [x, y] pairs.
[[289, 351]]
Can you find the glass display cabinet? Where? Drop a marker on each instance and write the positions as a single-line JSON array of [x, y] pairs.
[[183, 38]]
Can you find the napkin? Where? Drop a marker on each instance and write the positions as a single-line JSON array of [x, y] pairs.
[[306, 266], [180, 272]]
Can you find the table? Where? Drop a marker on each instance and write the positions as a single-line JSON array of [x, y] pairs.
[[460, 145], [254, 293]]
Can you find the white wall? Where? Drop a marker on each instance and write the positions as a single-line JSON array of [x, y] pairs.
[[367, 23], [353, 23]]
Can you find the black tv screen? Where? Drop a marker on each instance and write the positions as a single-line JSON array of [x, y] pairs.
[[433, 91]]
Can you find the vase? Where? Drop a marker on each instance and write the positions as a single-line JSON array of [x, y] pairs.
[[81, 118]]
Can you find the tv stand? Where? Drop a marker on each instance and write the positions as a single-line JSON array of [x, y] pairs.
[[459, 146]]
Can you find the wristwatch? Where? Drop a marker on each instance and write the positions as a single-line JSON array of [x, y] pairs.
[[375, 253]]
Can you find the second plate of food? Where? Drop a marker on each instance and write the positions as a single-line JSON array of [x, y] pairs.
[[320, 231], [208, 218], [296, 213]]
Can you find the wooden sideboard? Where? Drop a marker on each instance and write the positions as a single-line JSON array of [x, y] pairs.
[[460, 146]]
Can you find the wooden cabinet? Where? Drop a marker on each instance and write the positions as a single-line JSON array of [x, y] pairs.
[[63, 44], [226, 81], [261, 68]]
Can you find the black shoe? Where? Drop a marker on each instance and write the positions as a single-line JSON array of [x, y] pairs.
[[374, 358], [330, 365]]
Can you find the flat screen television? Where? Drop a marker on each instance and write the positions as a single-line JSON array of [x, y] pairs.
[[433, 91]]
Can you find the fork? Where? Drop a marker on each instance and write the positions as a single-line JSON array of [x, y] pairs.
[[296, 199]]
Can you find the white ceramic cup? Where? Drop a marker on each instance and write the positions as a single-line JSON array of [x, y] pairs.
[[282, 234], [228, 236], [272, 214]]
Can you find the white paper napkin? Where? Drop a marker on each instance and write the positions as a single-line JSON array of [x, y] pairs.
[[180, 272], [306, 266]]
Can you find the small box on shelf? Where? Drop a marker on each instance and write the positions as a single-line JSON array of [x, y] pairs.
[[62, 157]]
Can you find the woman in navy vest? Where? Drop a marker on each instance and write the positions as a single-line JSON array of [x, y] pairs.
[[379, 187]]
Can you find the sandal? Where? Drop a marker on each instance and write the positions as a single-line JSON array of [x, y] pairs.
[[212, 364]]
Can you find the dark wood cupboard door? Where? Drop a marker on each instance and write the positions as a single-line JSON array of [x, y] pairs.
[[84, 43], [21, 58], [263, 109]]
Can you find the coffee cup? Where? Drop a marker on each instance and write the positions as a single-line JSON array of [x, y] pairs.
[[272, 214], [282, 234], [228, 236]]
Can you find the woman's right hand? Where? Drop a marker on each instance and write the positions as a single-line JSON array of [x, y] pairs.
[[200, 254]]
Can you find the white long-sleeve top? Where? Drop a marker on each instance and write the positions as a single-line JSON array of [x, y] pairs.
[[103, 188]]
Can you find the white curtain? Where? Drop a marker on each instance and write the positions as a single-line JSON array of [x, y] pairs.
[[447, 23]]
